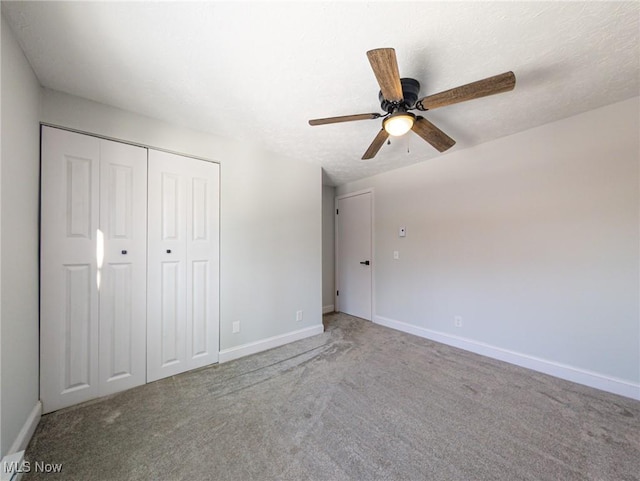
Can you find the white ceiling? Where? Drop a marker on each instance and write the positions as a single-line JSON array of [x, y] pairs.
[[259, 71]]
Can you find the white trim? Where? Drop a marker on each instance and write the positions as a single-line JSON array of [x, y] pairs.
[[336, 282], [1, 411], [269, 343], [368, 190], [374, 262], [11, 468], [121, 141], [556, 369], [336, 250], [28, 428], [328, 309]]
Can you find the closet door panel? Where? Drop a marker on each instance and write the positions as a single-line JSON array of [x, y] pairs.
[[69, 327], [202, 263], [183, 270], [77, 348], [122, 266], [166, 328], [170, 315]]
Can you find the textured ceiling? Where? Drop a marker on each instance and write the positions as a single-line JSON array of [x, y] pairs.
[[258, 71]]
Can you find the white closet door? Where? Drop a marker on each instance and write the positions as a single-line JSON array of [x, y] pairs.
[[123, 269], [166, 270], [93, 297], [203, 271], [68, 269], [183, 266]]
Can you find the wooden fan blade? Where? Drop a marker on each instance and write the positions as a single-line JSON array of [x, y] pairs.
[[489, 86], [377, 143], [432, 134], [343, 118], [385, 67]]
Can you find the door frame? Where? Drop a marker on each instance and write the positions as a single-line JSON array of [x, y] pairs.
[[371, 191]]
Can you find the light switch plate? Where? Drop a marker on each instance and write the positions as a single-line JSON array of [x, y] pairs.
[[403, 232]]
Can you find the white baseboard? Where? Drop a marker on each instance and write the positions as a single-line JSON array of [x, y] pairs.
[[269, 343], [28, 428], [12, 467], [562, 371], [328, 309]]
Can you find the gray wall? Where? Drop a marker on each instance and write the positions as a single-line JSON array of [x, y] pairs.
[[328, 245], [19, 240], [270, 224], [533, 239]]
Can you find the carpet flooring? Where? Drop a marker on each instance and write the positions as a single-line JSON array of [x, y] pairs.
[[359, 402]]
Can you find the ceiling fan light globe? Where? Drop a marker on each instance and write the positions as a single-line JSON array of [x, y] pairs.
[[399, 123]]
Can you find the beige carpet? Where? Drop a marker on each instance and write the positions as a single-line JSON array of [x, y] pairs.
[[359, 402]]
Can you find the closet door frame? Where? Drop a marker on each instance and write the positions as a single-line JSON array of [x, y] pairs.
[[100, 374]]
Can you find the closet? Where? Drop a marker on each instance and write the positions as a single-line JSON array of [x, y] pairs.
[[129, 266]]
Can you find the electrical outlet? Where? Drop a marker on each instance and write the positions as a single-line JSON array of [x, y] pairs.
[[235, 327], [457, 321], [299, 315]]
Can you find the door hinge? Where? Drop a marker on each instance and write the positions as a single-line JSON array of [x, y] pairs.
[[337, 293], [337, 211]]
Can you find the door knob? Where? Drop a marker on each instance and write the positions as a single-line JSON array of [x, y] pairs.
[[123, 252], [364, 263], [168, 251]]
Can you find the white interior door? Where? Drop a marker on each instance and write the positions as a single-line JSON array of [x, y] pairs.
[[354, 255], [183, 264], [69, 327], [122, 266]]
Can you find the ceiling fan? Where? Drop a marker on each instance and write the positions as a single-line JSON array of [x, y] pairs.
[[397, 96]]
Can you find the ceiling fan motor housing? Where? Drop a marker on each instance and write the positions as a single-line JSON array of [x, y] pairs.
[[410, 91]]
